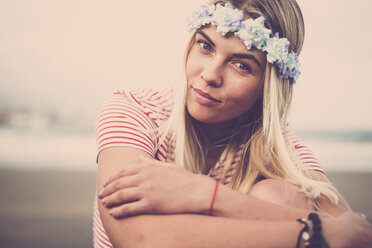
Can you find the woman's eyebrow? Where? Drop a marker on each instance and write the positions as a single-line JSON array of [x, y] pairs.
[[246, 56], [206, 37], [235, 55]]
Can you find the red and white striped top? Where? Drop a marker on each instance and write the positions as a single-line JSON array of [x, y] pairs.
[[130, 118]]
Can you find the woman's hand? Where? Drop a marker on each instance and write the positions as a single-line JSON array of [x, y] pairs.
[[347, 230], [154, 187]]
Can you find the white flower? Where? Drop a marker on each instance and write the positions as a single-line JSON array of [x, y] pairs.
[[277, 53], [276, 48], [227, 19]]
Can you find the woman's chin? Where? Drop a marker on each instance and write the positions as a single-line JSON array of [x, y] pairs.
[[207, 117], [204, 118]]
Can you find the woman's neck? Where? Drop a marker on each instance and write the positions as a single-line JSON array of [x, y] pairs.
[[215, 138], [216, 133]]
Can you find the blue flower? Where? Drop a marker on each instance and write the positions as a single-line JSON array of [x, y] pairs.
[[253, 33], [287, 62], [200, 17], [227, 19], [290, 67]]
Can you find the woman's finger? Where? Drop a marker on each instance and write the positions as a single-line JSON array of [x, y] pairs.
[[130, 209], [119, 184], [121, 197], [363, 216], [127, 171]]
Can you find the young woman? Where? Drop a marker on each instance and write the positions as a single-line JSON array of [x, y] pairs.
[[214, 163]]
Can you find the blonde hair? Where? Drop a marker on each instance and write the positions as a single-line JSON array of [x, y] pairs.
[[260, 132]]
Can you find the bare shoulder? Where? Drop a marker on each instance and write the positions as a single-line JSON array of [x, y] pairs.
[[325, 204], [113, 159]]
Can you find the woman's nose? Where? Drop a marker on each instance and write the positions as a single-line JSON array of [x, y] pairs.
[[212, 73]]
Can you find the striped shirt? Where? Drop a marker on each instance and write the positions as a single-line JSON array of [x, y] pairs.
[[130, 119]]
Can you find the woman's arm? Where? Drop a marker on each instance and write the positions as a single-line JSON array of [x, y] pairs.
[[205, 231], [159, 197], [154, 187], [183, 230], [201, 231]]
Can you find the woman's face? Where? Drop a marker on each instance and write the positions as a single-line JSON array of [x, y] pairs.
[[224, 78]]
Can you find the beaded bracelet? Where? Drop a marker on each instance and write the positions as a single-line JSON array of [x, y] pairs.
[[317, 239], [213, 198]]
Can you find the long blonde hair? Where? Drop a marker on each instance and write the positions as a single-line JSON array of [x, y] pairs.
[[259, 132]]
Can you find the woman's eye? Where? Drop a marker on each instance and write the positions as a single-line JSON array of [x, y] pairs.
[[204, 45], [243, 66]]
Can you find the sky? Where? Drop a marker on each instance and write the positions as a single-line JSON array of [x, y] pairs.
[[72, 54]]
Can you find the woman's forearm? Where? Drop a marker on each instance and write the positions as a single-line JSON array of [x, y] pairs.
[[191, 230], [201, 231], [153, 187], [230, 229], [163, 193], [232, 204], [347, 230]]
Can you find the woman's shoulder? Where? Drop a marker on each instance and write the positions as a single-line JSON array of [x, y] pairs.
[[156, 104], [303, 151], [131, 118]]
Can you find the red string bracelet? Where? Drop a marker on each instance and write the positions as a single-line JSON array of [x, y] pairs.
[[214, 197]]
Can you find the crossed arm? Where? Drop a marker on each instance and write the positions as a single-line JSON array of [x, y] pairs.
[[178, 221]]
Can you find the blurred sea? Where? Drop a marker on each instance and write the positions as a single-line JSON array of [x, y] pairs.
[[59, 139], [42, 139], [348, 150]]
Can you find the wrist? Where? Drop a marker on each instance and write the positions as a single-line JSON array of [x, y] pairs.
[[204, 194]]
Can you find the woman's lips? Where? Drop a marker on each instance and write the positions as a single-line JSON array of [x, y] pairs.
[[205, 98]]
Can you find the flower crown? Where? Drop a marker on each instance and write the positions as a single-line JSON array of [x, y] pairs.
[[253, 34]]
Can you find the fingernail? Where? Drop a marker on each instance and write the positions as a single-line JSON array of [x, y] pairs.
[[105, 184], [100, 195], [103, 202], [110, 213]]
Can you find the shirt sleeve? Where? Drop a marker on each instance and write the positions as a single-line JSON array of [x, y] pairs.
[[122, 122], [304, 153]]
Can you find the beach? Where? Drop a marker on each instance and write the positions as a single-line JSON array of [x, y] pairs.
[[46, 208], [53, 208]]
